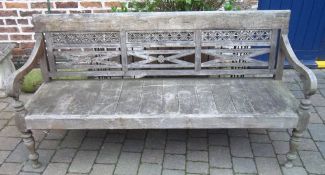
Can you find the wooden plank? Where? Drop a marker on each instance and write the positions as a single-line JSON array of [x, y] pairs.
[[188, 103], [130, 98], [240, 99], [49, 51], [222, 97], [198, 40], [273, 49], [170, 97], [124, 56], [205, 97], [270, 19], [152, 94]]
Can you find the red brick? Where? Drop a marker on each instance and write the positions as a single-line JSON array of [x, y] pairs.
[[18, 51], [20, 5], [29, 13], [20, 37], [113, 4], [28, 45], [91, 4], [27, 29], [11, 22], [1, 22], [22, 21], [80, 11], [40, 5], [8, 13], [9, 30], [66, 5], [1, 6], [4, 37]]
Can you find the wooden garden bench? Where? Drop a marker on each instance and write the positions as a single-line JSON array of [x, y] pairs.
[[163, 70]]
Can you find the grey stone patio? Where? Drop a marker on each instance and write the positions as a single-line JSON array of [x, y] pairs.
[[168, 152]]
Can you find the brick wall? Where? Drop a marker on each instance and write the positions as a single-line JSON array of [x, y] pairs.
[[15, 18]]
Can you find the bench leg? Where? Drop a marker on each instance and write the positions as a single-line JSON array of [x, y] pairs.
[[297, 132], [29, 142], [27, 135]]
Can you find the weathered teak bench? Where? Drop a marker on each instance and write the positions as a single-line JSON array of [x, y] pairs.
[[163, 70]]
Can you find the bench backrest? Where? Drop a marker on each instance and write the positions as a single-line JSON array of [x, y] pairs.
[[162, 43]]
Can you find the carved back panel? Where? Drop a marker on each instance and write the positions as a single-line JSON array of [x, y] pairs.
[[174, 44]]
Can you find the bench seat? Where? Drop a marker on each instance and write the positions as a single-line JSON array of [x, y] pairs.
[[162, 103]]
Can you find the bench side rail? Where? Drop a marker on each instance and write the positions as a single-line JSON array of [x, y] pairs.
[[162, 43]]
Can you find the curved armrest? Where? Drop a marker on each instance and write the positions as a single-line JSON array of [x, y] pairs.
[[13, 82], [308, 77]]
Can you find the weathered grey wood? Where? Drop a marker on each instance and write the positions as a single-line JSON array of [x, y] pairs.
[[270, 19], [273, 48], [198, 40], [162, 103], [124, 56], [49, 52]]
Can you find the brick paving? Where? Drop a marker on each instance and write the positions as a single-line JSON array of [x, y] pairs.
[[168, 152]]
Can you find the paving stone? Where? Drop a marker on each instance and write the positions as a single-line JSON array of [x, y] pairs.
[[49, 144], [56, 134], [152, 156], [44, 157], [6, 115], [317, 131], [307, 145], [174, 161], [259, 138], [39, 135], [91, 143], [284, 136], [27, 173], [64, 155], [218, 139], [281, 147], [238, 132], [267, 166], [240, 147], [298, 94], [197, 144], [257, 131], [3, 105], [321, 112], [152, 169], [294, 171], [317, 100], [217, 171], [83, 162], [136, 134], [244, 165], [10, 168], [133, 145], [177, 134], [175, 147], [56, 168], [198, 156], [313, 161], [173, 172], [12, 122], [198, 133], [156, 140], [100, 169], [197, 167], [315, 118], [263, 150], [321, 147], [3, 123], [115, 138], [219, 157], [128, 164], [97, 133], [8, 144], [282, 159], [20, 154], [218, 131], [73, 139], [109, 153], [3, 156]]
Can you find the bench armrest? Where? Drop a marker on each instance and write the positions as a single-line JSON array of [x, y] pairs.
[[13, 82], [308, 77]]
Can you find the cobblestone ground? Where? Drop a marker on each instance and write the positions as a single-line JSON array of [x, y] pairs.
[[168, 152]]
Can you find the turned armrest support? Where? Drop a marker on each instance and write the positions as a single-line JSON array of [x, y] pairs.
[[307, 76], [13, 82]]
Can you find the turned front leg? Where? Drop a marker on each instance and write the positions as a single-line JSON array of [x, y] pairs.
[[297, 132], [27, 135]]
